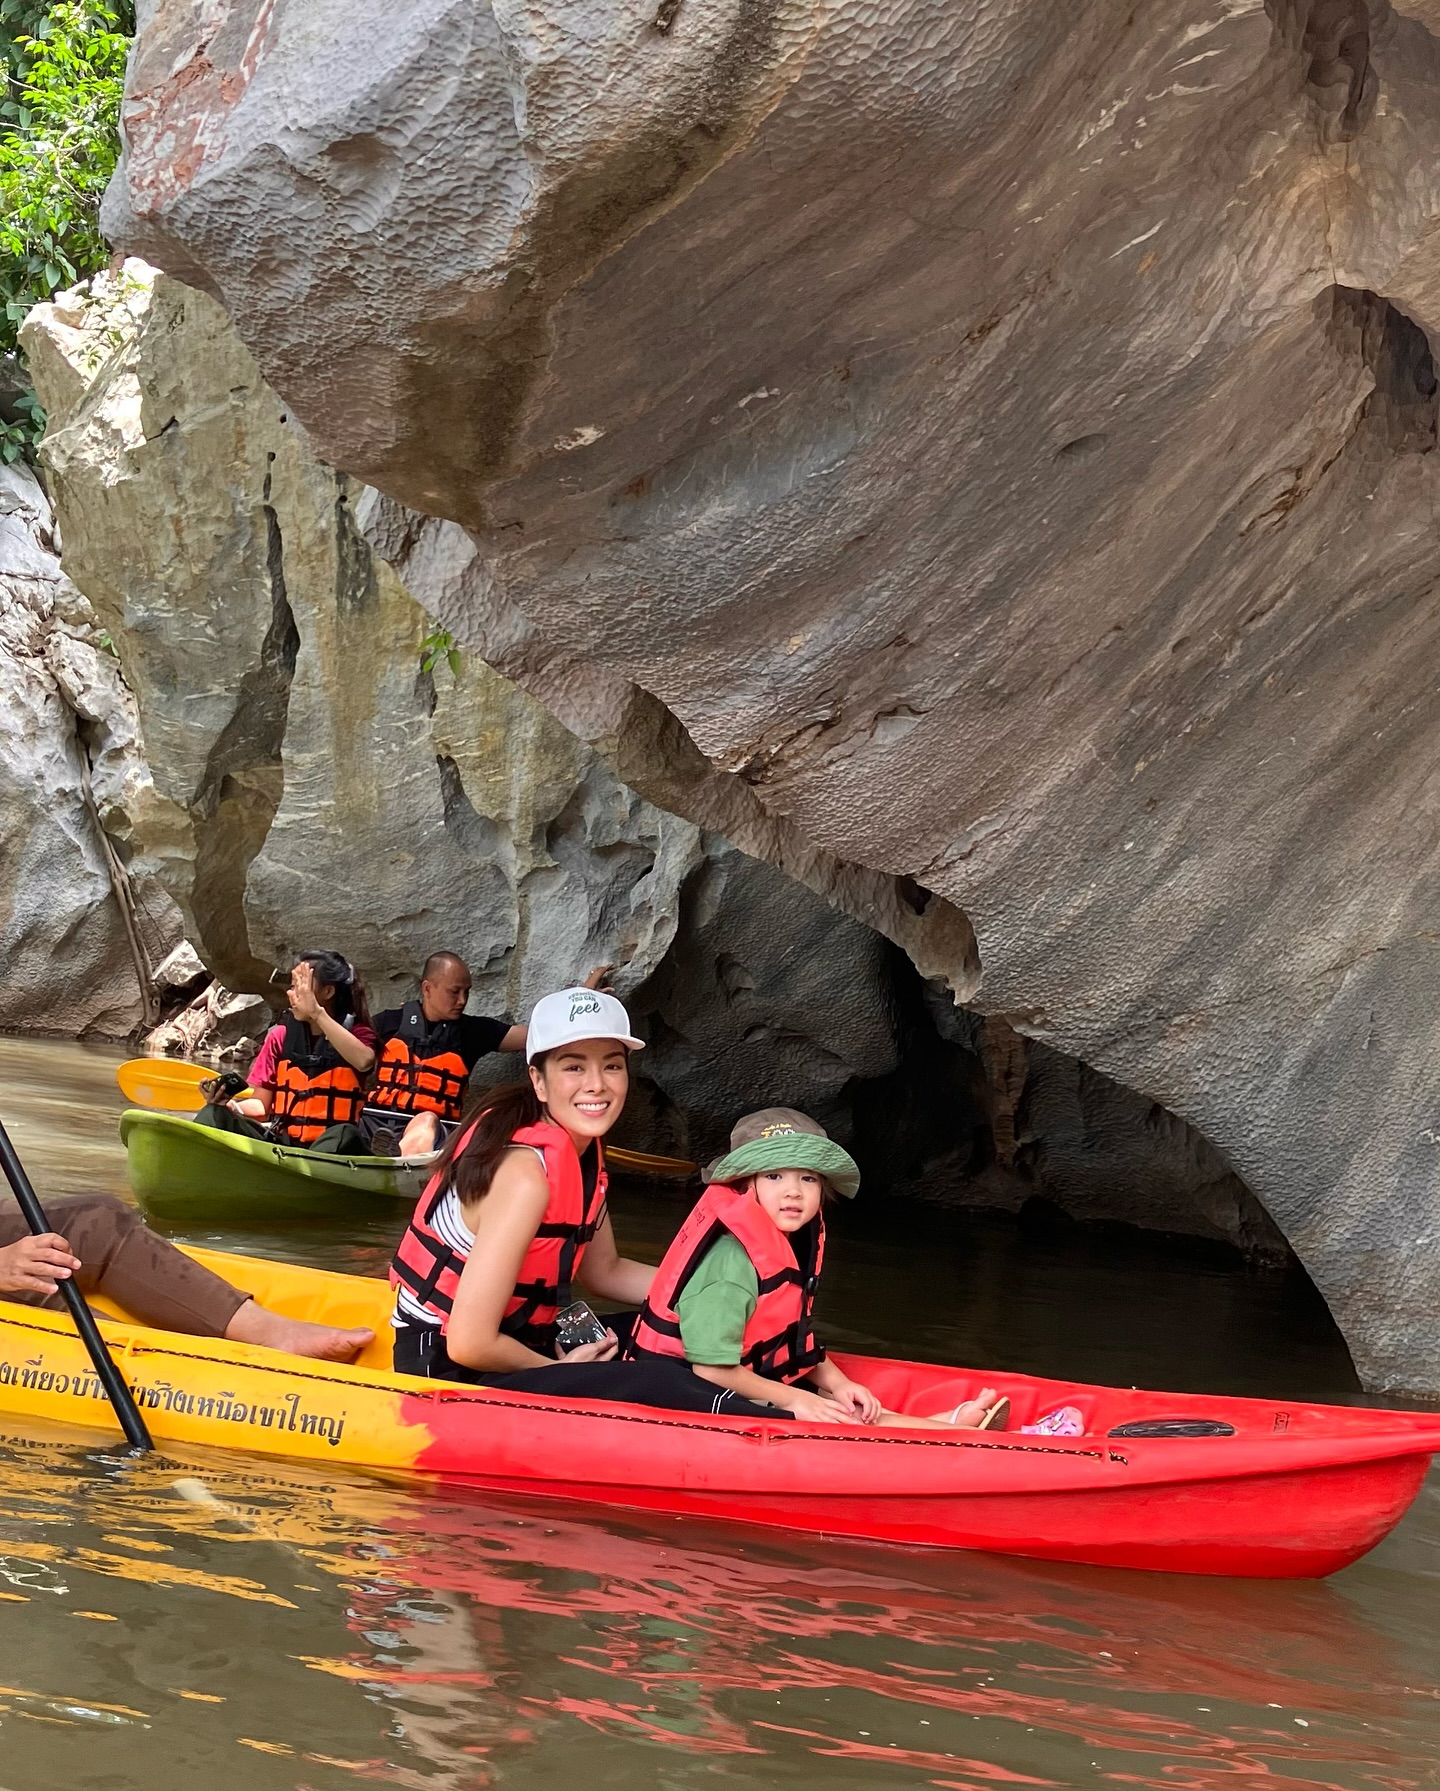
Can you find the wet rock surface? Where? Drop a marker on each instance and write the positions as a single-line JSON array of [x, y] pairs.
[[323, 772], [72, 779], [1002, 438]]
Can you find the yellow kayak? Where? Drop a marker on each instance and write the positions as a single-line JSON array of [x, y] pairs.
[[232, 1395]]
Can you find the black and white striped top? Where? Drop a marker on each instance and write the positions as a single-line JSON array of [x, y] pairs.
[[448, 1220]]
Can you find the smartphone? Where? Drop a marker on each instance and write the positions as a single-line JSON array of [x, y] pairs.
[[280, 979], [577, 1324]]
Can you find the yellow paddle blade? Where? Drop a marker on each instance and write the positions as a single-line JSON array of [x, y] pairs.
[[638, 1162], [163, 1082]]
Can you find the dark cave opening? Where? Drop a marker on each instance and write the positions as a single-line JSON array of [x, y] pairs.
[[1020, 1209], [1041, 1186]]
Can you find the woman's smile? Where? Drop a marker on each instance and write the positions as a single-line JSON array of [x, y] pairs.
[[583, 1086]]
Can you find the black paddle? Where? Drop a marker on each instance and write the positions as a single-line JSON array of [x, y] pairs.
[[116, 1391]]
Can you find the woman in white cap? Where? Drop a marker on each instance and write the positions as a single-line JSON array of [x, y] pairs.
[[515, 1214]]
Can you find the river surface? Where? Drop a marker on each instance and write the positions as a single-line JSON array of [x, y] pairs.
[[334, 1628]]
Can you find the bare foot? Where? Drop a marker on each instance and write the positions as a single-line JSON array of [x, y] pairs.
[[255, 1323], [973, 1413]]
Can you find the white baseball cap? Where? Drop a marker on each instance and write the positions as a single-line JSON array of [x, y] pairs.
[[572, 1014]]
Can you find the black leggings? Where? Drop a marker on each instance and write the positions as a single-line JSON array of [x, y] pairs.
[[343, 1140], [672, 1386]]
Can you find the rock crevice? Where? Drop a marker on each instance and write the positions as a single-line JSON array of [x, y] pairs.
[[83, 919]]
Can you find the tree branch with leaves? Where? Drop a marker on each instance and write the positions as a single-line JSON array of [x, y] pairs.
[[64, 71]]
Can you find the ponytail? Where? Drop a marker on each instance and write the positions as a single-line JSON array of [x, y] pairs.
[[502, 1113], [359, 1003]]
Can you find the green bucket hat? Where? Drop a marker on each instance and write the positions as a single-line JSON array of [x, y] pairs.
[[781, 1138]]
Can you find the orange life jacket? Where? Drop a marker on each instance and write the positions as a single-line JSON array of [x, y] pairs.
[[420, 1070], [427, 1266], [779, 1340], [314, 1087]]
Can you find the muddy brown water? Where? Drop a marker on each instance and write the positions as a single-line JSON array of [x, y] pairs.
[[348, 1629]]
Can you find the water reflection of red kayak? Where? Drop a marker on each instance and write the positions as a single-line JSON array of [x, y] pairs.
[[346, 1630], [674, 1637]]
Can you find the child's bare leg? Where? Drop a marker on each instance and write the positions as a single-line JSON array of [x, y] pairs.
[[965, 1417]]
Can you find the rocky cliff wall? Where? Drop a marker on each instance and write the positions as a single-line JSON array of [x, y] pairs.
[[72, 780], [1000, 438], [323, 772], [320, 773], [316, 778]]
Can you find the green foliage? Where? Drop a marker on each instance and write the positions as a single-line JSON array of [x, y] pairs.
[[437, 645], [19, 439], [20, 20], [64, 68]]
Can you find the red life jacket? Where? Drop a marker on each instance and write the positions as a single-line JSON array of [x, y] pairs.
[[420, 1070], [779, 1340], [429, 1269], [314, 1087]]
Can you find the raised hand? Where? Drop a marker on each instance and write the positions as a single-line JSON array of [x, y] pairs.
[[303, 1002]]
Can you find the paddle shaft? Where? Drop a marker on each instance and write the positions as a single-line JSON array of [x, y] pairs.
[[116, 1391]]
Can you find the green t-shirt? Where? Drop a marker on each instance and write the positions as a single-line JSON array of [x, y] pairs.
[[716, 1305]]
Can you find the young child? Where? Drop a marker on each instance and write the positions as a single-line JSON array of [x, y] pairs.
[[735, 1293]]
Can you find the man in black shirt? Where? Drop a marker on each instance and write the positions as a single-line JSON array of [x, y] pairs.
[[426, 1050]]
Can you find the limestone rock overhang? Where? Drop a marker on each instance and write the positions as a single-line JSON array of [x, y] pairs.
[[997, 440]]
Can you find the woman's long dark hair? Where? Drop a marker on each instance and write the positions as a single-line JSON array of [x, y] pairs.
[[348, 1003], [501, 1114]]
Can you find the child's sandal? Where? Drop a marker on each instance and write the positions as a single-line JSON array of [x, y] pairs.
[[997, 1417]]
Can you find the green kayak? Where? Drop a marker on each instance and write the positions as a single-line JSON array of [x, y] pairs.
[[181, 1170]]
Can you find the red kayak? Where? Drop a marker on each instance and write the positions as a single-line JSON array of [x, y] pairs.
[[1296, 1491]]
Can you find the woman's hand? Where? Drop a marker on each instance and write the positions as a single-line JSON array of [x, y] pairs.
[[603, 1351], [855, 1398], [303, 1002], [599, 977], [36, 1265], [815, 1408]]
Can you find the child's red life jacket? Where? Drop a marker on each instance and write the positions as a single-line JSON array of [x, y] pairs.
[[427, 1266], [779, 1340], [314, 1087]]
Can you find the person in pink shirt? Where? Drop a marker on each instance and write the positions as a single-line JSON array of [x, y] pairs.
[[308, 1076]]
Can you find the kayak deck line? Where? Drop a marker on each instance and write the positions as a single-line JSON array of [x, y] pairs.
[[140, 1343], [786, 1430], [1299, 1490]]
